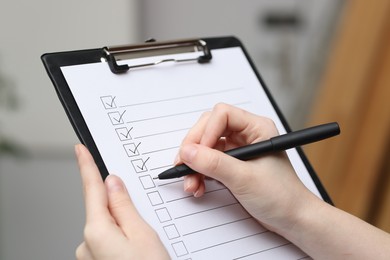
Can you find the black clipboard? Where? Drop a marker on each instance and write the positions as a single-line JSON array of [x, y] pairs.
[[54, 61], [113, 56]]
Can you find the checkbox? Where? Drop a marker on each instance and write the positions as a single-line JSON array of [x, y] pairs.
[[116, 117], [163, 215], [124, 133], [155, 198], [171, 231], [132, 149], [108, 102], [147, 182], [179, 248], [139, 165]]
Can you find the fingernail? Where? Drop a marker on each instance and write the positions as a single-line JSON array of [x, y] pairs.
[[187, 183], [177, 159], [197, 194], [114, 184], [188, 153], [77, 149]]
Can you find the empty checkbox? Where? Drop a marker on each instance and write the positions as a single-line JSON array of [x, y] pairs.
[[155, 198], [171, 231], [147, 182], [163, 215], [180, 249]]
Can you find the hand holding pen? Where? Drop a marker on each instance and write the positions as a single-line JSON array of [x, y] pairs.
[[274, 144]]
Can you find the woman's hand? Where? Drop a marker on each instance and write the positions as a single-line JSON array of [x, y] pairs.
[[267, 187], [113, 229]]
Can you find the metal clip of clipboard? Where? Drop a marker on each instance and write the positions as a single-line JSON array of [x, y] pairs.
[[153, 48]]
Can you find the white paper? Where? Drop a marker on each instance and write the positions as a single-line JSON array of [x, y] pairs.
[[138, 120]]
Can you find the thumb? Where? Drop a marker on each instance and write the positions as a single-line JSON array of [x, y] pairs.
[[121, 207], [213, 163]]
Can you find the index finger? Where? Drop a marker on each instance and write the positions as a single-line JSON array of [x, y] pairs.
[[240, 126], [95, 195]]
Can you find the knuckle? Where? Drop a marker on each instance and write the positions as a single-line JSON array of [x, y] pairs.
[[205, 115], [267, 127], [213, 163], [119, 203], [80, 254], [93, 234], [271, 126], [88, 232], [221, 107], [270, 122]]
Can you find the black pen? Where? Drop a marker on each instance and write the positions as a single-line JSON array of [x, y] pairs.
[[277, 143]]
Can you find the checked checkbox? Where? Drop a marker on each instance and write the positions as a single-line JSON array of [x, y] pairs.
[[124, 133], [108, 102], [116, 117], [139, 165], [132, 149]]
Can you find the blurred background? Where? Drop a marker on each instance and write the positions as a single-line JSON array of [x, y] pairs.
[[324, 60]]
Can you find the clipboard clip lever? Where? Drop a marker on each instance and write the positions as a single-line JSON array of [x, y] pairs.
[[153, 48]]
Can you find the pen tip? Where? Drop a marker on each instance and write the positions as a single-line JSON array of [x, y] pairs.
[[155, 178]]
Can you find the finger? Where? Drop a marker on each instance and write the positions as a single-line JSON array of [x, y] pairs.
[[94, 191], [195, 134], [83, 252], [191, 182], [240, 126], [201, 188], [194, 183], [213, 163], [121, 207]]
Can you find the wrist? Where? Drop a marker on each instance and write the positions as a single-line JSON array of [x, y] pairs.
[[301, 216]]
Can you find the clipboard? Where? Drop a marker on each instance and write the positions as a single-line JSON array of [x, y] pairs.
[[157, 62]]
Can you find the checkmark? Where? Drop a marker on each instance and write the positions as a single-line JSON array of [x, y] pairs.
[[112, 103], [124, 133], [131, 149], [143, 165], [116, 117], [135, 148], [127, 133], [108, 102], [119, 120], [140, 165]]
